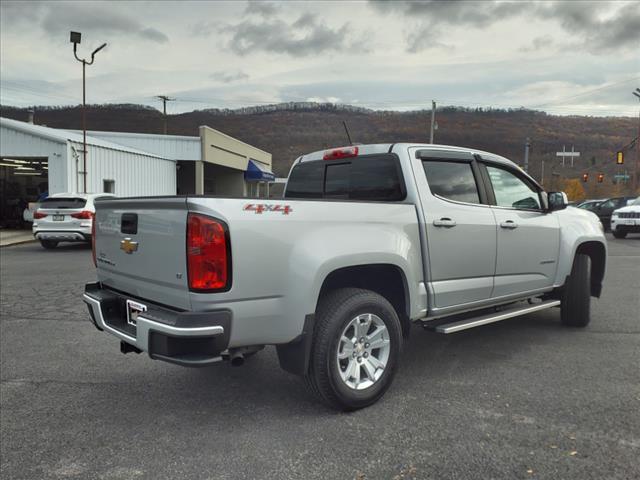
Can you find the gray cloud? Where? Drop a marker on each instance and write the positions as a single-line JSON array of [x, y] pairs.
[[228, 77], [258, 7], [538, 43], [583, 19], [597, 34], [305, 36], [459, 12], [58, 18], [433, 15]]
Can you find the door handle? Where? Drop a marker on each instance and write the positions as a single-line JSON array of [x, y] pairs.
[[509, 224], [445, 222]]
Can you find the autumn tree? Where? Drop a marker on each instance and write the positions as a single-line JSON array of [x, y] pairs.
[[574, 189]]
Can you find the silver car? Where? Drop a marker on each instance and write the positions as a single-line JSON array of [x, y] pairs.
[[65, 217]]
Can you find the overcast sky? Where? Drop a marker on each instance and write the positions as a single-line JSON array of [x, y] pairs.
[[562, 57]]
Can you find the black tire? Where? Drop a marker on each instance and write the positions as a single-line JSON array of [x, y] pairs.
[[49, 244], [575, 306], [335, 311], [619, 234]]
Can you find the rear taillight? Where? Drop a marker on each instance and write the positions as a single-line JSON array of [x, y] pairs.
[[208, 254], [93, 240], [83, 215], [344, 152], [38, 214]]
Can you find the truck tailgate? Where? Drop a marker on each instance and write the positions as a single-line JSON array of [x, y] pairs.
[[141, 248]]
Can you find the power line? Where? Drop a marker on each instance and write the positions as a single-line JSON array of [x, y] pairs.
[[588, 92]]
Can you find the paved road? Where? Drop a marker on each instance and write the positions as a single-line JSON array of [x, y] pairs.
[[524, 398]]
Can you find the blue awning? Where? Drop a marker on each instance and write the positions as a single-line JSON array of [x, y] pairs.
[[257, 172]]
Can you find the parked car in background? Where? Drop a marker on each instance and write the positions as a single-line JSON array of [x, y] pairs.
[[590, 204], [626, 220], [606, 208], [27, 213], [65, 217]]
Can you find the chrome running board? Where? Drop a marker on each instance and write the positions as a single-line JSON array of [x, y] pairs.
[[494, 317]]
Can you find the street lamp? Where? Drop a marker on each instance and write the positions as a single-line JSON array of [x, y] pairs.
[[636, 92], [75, 38]]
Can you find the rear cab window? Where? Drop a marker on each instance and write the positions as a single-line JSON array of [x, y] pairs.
[[375, 178], [451, 180], [63, 202]]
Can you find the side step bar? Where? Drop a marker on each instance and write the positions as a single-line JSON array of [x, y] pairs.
[[494, 317]]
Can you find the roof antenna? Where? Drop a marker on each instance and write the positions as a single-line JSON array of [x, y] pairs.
[[346, 129]]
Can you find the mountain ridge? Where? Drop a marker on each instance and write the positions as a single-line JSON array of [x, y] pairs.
[[290, 129]]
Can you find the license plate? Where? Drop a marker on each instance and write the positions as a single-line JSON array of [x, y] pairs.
[[133, 310], [629, 221], [58, 218]]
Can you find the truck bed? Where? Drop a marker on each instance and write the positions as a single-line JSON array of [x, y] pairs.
[[281, 251]]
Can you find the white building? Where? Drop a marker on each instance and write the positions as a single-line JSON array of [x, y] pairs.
[[35, 159], [212, 163], [32, 155]]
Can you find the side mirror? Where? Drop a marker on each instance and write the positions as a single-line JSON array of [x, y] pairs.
[[557, 201]]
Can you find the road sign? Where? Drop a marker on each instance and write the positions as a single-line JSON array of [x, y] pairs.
[[572, 154]]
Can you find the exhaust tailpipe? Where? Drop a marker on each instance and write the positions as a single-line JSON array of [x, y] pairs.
[[126, 348], [236, 359]]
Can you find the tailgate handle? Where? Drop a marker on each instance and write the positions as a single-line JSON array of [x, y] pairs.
[[129, 223]]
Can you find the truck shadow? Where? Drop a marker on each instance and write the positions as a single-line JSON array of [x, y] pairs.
[[260, 387], [259, 390]]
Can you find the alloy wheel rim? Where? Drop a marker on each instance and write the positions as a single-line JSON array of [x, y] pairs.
[[363, 351]]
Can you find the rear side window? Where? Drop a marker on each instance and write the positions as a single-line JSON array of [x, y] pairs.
[[60, 202], [451, 180], [366, 178]]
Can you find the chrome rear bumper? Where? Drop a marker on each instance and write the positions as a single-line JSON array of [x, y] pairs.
[[184, 338]]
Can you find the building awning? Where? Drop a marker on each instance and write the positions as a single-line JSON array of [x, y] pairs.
[[257, 172]]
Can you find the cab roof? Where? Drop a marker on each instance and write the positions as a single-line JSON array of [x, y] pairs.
[[374, 148]]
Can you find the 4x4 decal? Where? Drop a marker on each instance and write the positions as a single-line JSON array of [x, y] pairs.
[[259, 208]]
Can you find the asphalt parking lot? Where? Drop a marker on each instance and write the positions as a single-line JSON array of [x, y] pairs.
[[524, 398]]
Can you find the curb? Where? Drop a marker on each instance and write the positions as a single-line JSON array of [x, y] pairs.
[[18, 242]]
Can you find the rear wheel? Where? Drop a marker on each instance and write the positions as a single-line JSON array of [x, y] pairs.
[[49, 244], [575, 306], [357, 343], [619, 234]]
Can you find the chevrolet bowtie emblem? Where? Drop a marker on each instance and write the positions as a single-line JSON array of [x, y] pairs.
[[128, 245]]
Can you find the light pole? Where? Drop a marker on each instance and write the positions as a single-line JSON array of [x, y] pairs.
[[75, 38], [636, 180]]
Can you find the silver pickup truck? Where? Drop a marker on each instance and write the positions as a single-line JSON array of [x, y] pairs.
[[367, 240]]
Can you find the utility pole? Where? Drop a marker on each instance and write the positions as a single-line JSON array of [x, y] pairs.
[[542, 173], [526, 155], [75, 38], [636, 176], [165, 99], [433, 120]]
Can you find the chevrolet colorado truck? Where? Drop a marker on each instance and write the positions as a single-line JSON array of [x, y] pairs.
[[366, 240]]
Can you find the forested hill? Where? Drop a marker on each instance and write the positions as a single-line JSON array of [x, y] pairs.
[[287, 130]]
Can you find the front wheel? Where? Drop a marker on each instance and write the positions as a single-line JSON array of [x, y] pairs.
[[356, 346], [575, 303], [619, 234]]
